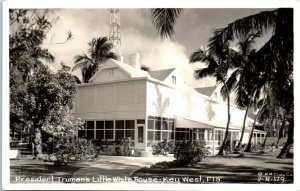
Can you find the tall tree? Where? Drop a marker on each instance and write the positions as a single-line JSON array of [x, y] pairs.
[[49, 97], [275, 56], [244, 80], [99, 51], [218, 63], [32, 86], [26, 37]]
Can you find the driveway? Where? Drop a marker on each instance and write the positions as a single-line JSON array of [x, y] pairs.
[[117, 166]]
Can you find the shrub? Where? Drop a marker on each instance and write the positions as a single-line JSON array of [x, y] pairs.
[[190, 152], [68, 151], [63, 148], [163, 147]]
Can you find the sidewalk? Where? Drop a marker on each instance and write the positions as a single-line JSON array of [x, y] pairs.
[[117, 166]]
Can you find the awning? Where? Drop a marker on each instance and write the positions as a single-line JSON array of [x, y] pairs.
[[183, 122]]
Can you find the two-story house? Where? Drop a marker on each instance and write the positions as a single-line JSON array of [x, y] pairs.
[[121, 101]]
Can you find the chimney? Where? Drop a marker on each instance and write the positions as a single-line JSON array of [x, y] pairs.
[[134, 60], [121, 58]]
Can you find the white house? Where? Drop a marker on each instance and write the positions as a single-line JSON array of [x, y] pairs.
[[123, 101]]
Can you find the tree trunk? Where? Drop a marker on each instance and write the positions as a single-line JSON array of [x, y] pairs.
[[280, 133], [221, 151], [37, 143], [289, 142], [248, 148], [243, 130], [269, 131]]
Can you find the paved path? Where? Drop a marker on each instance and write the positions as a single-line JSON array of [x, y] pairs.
[[117, 166]]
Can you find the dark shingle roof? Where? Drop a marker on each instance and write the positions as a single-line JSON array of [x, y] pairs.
[[161, 74], [206, 90]]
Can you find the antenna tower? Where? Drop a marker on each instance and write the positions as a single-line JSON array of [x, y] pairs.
[[114, 27]]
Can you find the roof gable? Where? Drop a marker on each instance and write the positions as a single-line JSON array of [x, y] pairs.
[[161, 74], [206, 90], [125, 68]]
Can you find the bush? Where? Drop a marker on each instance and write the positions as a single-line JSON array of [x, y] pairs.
[[163, 148], [68, 151], [190, 152]]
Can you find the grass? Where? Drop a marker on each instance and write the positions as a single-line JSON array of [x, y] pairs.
[[218, 169], [26, 167], [226, 169]]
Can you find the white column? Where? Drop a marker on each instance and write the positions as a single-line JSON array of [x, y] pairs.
[[213, 141], [230, 139]]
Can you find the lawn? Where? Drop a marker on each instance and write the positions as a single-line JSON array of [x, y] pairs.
[[256, 167], [26, 167]]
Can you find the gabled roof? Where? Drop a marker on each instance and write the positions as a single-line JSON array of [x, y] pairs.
[[206, 90], [161, 74], [128, 69]]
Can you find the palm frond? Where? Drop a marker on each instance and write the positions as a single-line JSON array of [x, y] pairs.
[[204, 72], [164, 21], [82, 61], [203, 56], [261, 22]]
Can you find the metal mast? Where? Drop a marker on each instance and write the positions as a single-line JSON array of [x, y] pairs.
[[114, 27]]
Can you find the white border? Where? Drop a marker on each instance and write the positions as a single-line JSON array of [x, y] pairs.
[[142, 4]]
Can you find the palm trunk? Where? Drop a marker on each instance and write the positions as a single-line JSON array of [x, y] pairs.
[[289, 143], [37, 143], [221, 151], [280, 133], [243, 130], [269, 131], [248, 148]]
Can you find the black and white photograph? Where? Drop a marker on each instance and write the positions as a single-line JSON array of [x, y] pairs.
[[148, 97]]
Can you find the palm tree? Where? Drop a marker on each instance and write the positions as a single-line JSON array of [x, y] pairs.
[[275, 56], [218, 63], [99, 51], [244, 80]]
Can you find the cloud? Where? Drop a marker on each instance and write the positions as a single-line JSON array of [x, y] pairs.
[[157, 55], [86, 24]]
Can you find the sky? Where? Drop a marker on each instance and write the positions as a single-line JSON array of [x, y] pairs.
[[192, 31]]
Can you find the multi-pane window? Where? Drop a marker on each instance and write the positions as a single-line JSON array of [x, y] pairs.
[[182, 134], [218, 137], [104, 130], [159, 129], [124, 129], [108, 129]]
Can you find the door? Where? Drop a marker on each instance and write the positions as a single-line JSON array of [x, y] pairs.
[[140, 137]]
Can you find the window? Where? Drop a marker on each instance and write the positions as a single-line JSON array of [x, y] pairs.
[[174, 80], [124, 129], [88, 132], [109, 129], [140, 121], [140, 134], [89, 125], [182, 134], [99, 124], [218, 137], [110, 71], [150, 124], [129, 124], [159, 129]]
